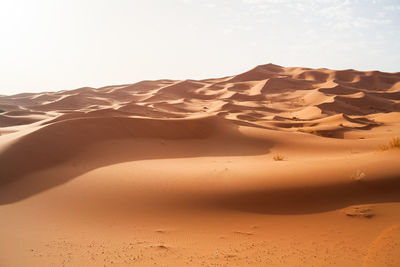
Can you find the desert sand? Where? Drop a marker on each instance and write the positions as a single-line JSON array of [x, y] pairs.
[[277, 166]]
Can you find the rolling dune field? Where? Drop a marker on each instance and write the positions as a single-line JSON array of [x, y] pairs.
[[277, 166]]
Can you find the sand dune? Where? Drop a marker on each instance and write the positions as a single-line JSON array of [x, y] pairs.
[[272, 167]]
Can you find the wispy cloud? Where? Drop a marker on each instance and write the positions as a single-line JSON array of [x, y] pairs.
[[334, 13]]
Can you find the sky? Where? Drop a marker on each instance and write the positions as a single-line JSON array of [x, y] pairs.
[[52, 45]]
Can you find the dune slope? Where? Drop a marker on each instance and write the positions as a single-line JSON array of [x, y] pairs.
[[272, 167]]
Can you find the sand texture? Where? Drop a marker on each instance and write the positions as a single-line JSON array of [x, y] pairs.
[[272, 167]]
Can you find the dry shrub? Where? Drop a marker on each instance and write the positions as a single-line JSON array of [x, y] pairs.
[[278, 157], [395, 142], [384, 147], [358, 176]]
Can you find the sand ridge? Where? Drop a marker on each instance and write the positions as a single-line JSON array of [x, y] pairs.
[[277, 166], [256, 97]]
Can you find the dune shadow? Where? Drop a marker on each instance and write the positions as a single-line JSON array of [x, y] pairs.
[[29, 166], [311, 199]]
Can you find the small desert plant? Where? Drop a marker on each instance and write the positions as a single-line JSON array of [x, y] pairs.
[[358, 176], [395, 142], [278, 157], [1, 111], [384, 147]]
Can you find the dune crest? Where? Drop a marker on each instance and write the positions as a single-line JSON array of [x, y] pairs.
[[260, 95], [277, 166]]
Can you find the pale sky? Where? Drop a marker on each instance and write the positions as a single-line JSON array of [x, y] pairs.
[[51, 45]]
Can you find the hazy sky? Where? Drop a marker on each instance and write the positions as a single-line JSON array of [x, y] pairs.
[[50, 45]]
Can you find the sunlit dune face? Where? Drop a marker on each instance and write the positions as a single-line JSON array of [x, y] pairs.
[[271, 167], [181, 146]]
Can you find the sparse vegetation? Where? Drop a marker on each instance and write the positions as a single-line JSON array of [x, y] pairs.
[[1, 111], [358, 176], [383, 147], [393, 143], [278, 157]]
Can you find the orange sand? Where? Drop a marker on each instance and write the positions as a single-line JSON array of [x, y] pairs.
[[273, 167]]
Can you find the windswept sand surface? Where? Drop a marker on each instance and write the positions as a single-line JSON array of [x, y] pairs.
[[272, 167]]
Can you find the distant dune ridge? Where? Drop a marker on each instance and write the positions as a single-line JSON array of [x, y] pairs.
[[260, 97], [279, 165]]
